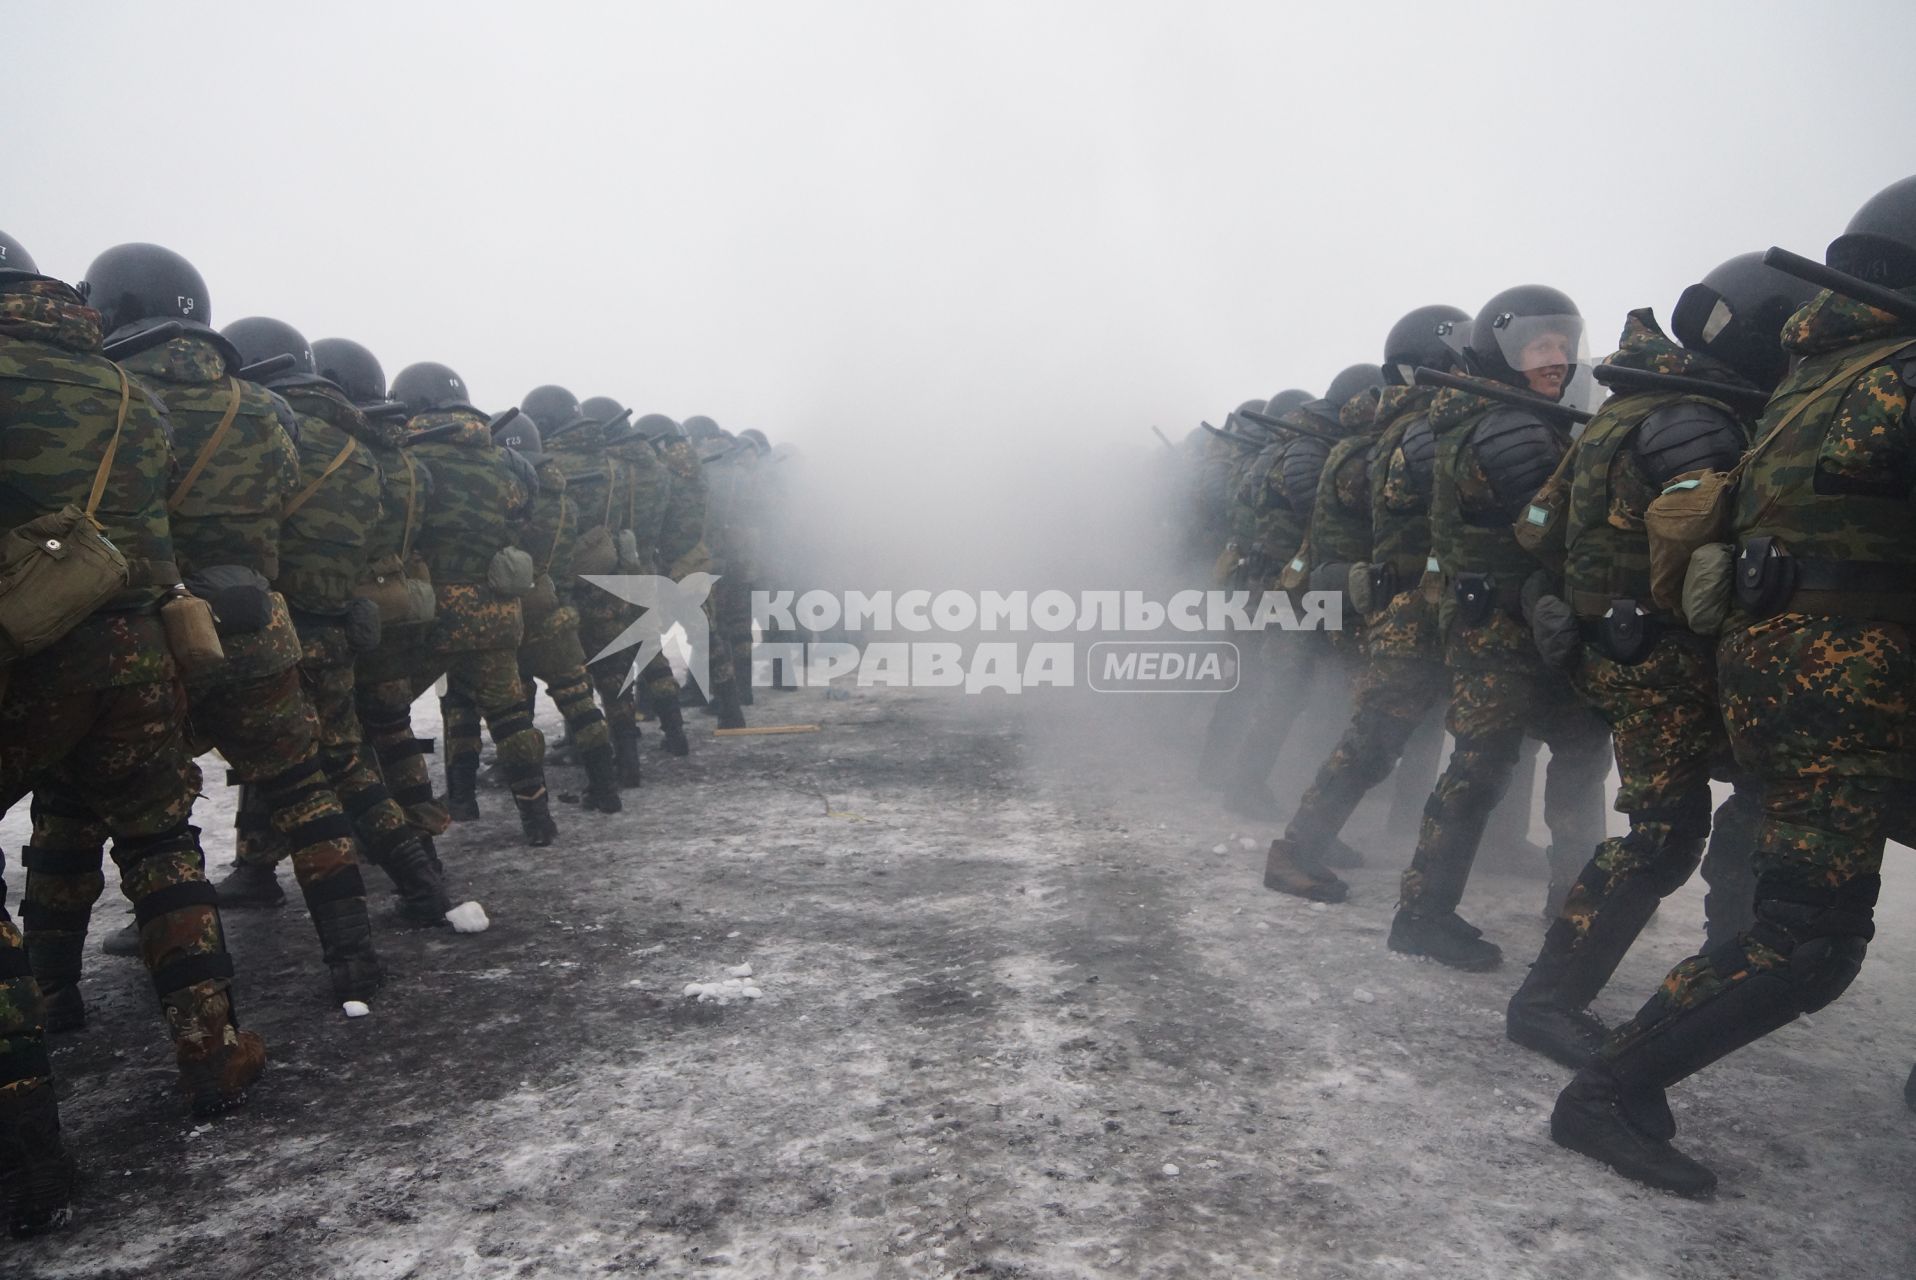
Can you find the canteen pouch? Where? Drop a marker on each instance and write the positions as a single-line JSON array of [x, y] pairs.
[[1554, 629], [1357, 586], [54, 571], [628, 549], [1709, 588], [241, 598], [596, 552], [400, 598], [1476, 597], [191, 634], [1764, 577], [1295, 576], [1627, 632], [1691, 512], [510, 573], [362, 624]]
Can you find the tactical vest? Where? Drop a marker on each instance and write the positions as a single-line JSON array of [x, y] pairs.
[[1282, 516], [1475, 540], [1608, 551], [649, 490], [328, 523], [475, 494], [553, 526], [236, 467], [1341, 522], [1835, 493], [1399, 505], [58, 410]]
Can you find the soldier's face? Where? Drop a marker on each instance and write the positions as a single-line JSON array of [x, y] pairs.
[[1546, 364]]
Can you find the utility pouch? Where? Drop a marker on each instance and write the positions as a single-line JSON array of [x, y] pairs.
[[1357, 586], [241, 598], [1764, 577], [1384, 584], [1539, 527], [628, 550], [191, 634], [399, 597], [596, 552], [1627, 633], [510, 573], [362, 625], [1709, 588], [541, 600], [1476, 596]]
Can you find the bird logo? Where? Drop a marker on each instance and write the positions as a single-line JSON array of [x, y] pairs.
[[664, 605]]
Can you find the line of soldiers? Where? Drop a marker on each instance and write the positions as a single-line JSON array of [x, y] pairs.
[[236, 541], [1711, 576]]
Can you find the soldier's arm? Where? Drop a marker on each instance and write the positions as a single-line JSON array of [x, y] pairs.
[[1868, 447]]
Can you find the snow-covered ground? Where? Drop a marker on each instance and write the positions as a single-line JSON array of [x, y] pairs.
[[1025, 1011]]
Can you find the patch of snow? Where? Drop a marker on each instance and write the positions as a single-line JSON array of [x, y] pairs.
[[468, 917], [355, 1008]]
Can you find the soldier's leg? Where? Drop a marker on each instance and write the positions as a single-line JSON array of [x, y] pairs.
[[383, 693], [602, 616], [65, 878], [1485, 717], [460, 723], [1283, 690], [1729, 907], [722, 700], [659, 693], [732, 610], [551, 652], [1416, 774], [490, 677], [37, 1174], [1573, 784]]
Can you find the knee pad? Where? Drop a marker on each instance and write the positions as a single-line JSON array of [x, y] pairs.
[[1823, 935], [517, 720], [183, 838]]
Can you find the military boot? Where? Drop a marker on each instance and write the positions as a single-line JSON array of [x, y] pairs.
[[56, 961], [462, 790], [123, 942], [34, 1165], [726, 707], [1447, 938], [1290, 869], [346, 941], [414, 869], [602, 778], [672, 731], [1596, 1118], [218, 1062], [535, 815], [1549, 1012], [250, 885], [625, 753]]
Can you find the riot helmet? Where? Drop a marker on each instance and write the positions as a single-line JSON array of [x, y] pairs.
[[426, 386], [700, 427], [1430, 337], [1351, 382], [1530, 337], [1880, 243], [131, 283], [14, 258], [1737, 313], [258, 338], [351, 368], [757, 440], [656, 426], [516, 430], [1285, 401], [601, 409], [550, 406]]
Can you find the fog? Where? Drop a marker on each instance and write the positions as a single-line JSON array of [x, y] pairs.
[[964, 257]]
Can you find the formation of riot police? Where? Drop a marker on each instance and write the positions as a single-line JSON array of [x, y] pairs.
[[232, 540], [1711, 576]]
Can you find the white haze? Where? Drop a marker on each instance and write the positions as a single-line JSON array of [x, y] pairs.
[[963, 256]]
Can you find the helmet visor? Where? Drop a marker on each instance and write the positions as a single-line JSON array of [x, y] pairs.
[[1539, 342]]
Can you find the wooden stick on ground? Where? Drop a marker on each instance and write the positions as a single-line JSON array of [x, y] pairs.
[[766, 730]]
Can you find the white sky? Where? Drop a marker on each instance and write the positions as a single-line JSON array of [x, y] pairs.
[[912, 222]]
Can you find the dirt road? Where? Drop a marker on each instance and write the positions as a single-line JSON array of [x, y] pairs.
[[1026, 1012]]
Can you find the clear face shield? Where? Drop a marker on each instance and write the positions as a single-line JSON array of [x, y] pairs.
[[1544, 350]]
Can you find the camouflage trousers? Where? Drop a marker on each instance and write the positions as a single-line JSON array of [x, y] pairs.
[[474, 644], [24, 1067], [1274, 687], [550, 652], [92, 727], [1392, 696], [602, 616], [383, 698], [327, 675], [731, 616], [1668, 734], [1497, 698], [1819, 710]]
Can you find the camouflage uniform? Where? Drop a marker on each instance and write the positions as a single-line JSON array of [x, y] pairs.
[[1500, 690], [479, 494], [96, 717], [733, 499], [1816, 672], [655, 485]]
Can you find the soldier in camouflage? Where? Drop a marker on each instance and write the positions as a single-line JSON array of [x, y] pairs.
[[1816, 671], [1652, 679], [671, 539], [721, 546], [650, 487], [480, 496], [98, 714], [1491, 458]]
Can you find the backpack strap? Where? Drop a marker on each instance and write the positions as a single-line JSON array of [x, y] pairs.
[[206, 450], [412, 496], [305, 495], [112, 447]]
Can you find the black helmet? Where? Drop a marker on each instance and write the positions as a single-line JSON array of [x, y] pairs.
[[601, 408], [427, 386], [15, 258], [656, 426], [258, 338], [1431, 337], [1285, 401], [516, 430], [351, 368], [1351, 382], [550, 406], [1502, 336], [134, 282], [757, 439], [1880, 242], [700, 427], [1737, 314]]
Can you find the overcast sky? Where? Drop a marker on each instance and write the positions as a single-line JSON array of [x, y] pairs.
[[854, 222]]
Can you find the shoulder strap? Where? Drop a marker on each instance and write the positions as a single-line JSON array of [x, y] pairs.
[[305, 495], [112, 447], [611, 488], [558, 532], [1838, 381], [207, 450]]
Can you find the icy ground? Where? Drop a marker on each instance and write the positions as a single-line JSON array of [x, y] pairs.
[[1020, 1017]]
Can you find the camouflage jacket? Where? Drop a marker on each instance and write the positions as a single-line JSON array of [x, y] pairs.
[[683, 528], [326, 541], [1836, 484], [405, 493], [479, 494], [550, 526], [648, 489], [1285, 494], [596, 485], [59, 404], [1399, 492], [1340, 518], [230, 514], [1606, 551]]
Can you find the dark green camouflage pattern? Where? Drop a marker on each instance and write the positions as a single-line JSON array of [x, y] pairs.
[[326, 544]]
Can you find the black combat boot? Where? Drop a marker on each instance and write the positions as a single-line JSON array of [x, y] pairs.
[[346, 937], [742, 681], [1549, 1012], [415, 872], [602, 777], [625, 753], [1629, 1131], [56, 958], [672, 730], [36, 1169], [535, 814], [1290, 869], [462, 790], [1447, 938], [250, 885], [726, 707]]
